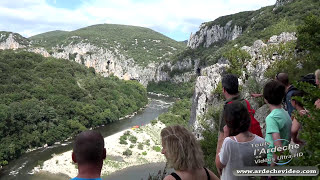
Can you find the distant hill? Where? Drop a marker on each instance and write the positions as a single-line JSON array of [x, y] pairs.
[[142, 44], [185, 41]]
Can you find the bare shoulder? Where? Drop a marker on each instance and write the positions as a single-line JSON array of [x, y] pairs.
[[169, 177], [212, 175]]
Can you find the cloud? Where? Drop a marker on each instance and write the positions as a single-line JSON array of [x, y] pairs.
[[30, 17]]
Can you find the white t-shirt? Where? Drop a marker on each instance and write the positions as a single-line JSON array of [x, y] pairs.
[[235, 155]]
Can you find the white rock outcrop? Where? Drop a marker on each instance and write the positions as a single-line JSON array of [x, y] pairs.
[[281, 3], [9, 42], [209, 35], [205, 84]]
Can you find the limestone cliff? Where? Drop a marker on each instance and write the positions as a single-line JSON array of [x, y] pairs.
[[105, 61], [208, 35], [12, 41]]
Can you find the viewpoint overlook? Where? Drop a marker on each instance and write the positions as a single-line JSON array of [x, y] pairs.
[[133, 81]]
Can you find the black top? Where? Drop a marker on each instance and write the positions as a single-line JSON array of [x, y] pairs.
[[178, 178]]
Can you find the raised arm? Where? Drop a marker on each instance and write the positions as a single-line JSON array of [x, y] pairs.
[[255, 95]]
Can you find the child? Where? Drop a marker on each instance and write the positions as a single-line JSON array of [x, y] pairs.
[[278, 122]]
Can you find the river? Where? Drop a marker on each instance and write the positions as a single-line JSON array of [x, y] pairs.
[[21, 169]]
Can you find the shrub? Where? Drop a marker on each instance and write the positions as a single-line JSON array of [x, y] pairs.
[[123, 140], [147, 142], [140, 146], [218, 91], [131, 146], [127, 152], [156, 148], [133, 139], [127, 133], [153, 122], [144, 153], [237, 59]]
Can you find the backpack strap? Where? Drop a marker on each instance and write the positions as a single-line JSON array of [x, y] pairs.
[[251, 111], [175, 176], [208, 175]]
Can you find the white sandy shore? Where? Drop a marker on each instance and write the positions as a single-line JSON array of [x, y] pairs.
[[115, 161]]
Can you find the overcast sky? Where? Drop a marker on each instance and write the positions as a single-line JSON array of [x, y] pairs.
[[173, 18]]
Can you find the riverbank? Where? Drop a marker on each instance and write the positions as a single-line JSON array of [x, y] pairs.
[[145, 150]]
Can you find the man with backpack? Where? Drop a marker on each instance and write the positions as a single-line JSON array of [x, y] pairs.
[[290, 89], [230, 88]]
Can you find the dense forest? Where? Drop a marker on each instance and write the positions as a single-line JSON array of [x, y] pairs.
[[45, 100]]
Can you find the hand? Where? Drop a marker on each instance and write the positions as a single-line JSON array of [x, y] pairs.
[[298, 141], [218, 169], [256, 95], [317, 104]]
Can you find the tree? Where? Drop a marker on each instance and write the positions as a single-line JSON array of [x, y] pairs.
[[309, 34]]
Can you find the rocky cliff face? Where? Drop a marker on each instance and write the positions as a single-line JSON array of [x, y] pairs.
[[282, 2], [104, 61], [202, 97], [10, 41], [211, 76], [107, 62], [209, 35]]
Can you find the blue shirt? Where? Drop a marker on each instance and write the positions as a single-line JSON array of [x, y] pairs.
[[76, 178]]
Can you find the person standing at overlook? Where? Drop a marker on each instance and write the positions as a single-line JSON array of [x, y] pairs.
[[278, 122], [230, 90], [184, 155], [240, 145], [290, 89], [89, 153]]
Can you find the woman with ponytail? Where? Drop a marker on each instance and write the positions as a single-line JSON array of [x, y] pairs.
[[240, 147]]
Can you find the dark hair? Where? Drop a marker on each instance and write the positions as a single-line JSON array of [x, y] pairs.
[[283, 78], [297, 94], [88, 147], [274, 92], [237, 117], [230, 83]]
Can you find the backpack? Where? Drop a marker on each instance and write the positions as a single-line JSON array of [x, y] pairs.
[[309, 78], [255, 125]]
